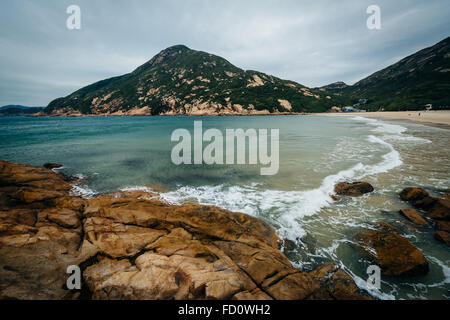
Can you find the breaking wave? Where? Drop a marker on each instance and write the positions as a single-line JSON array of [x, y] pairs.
[[287, 207]]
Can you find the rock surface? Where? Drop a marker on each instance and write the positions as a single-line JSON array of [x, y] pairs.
[[395, 255], [133, 245], [52, 165], [413, 216], [336, 284], [443, 237], [443, 225], [438, 209], [354, 189], [386, 226], [413, 194]]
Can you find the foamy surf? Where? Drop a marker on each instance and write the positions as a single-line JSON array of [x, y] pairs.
[[390, 131], [82, 191], [284, 207]]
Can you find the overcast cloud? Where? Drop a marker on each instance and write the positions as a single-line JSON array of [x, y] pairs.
[[311, 42]]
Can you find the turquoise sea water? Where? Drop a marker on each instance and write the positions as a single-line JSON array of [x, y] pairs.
[[316, 152]]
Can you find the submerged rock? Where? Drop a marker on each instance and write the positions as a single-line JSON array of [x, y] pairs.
[[438, 209], [413, 216], [395, 255], [443, 237], [353, 189], [52, 165], [443, 225], [133, 245], [386, 226], [334, 197], [336, 284], [413, 194]]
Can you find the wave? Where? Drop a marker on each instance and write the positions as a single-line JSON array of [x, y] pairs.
[[390, 131], [286, 208], [137, 188], [82, 191]]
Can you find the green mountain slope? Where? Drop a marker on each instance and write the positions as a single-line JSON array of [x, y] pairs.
[[419, 79], [18, 110], [179, 80]]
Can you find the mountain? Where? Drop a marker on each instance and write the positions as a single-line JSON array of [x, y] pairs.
[[335, 86], [16, 106], [419, 79], [18, 110], [179, 80]]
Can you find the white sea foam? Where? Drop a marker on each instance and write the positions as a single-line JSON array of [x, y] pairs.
[[82, 191], [445, 272], [137, 188], [390, 131]]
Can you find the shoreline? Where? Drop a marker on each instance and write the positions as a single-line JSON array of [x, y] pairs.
[[437, 118]]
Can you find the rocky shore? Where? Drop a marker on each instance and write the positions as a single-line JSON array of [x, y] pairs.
[[133, 245], [394, 254]]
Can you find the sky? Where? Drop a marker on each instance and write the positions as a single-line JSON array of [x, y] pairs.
[[311, 42]]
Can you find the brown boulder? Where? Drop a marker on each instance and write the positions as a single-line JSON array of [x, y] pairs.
[[413, 194], [443, 237], [334, 197], [52, 165], [443, 225], [336, 284], [386, 226], [413, 216], [395, 255], [439, 210], [354, 189]]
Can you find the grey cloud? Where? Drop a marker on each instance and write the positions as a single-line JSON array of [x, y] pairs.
[[311, 42]]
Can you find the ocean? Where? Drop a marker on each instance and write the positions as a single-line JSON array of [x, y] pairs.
[[315, 152]]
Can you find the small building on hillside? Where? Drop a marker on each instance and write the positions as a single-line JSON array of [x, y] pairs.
[[352, 109]]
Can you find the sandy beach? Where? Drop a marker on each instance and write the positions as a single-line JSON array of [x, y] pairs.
[[431, 117]]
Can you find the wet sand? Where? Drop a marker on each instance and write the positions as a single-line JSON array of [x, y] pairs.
[[430, 117]]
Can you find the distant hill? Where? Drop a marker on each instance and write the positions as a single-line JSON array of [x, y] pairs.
[[336, 86], [179, 80], [17, 106], [419, 79], [18, 110]]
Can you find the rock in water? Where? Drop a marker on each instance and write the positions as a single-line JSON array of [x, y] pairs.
[[354, 189], [386, 226], [413, 216], [443, 237], [439, 210], [336, 284], [443, 225], [52, 165], [413, 194], [395, 255]]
